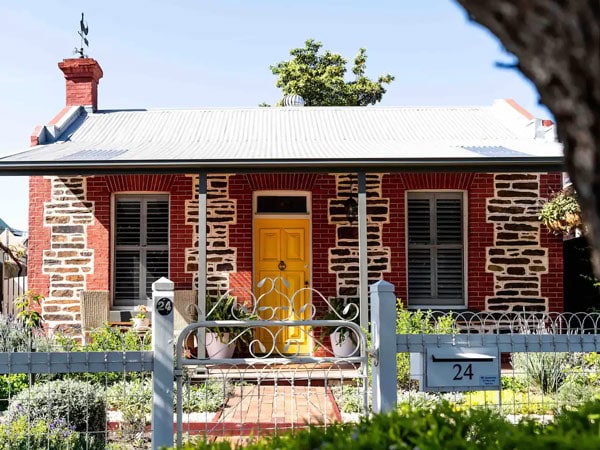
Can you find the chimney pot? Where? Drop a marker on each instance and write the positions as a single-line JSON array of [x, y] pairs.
[[82, 76]]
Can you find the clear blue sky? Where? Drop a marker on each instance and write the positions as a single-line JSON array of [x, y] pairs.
[[217, 53]]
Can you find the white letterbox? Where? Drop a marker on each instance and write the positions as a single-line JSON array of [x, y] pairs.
[[452, 369]]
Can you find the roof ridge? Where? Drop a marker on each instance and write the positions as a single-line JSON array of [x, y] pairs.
[[306, 108]]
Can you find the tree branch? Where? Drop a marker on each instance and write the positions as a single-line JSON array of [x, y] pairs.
[[557, 44]]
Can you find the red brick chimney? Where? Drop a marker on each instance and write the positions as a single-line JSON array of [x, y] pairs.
[[82, 75]]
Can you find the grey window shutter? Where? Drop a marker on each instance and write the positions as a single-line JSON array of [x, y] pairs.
[[127, 276], [435, 248], [449, 232], [141, 246]]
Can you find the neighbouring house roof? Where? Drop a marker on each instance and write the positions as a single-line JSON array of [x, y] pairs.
[[4, 227], [498, 137]]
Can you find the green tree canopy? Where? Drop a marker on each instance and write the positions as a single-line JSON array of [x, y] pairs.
[[319, 78]]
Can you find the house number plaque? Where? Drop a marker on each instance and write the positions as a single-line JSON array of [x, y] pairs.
[[164, 306], [450, 369]]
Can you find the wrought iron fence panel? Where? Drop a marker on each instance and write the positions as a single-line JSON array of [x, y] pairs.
[[548, 361]]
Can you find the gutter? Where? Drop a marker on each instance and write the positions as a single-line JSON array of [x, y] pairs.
[[488, 164]]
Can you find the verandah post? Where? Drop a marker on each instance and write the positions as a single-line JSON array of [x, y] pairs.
[[202, 258], [163, 294], [383, 335], [363, 251]]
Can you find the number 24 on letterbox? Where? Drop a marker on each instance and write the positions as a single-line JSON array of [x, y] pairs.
[[462, 369]]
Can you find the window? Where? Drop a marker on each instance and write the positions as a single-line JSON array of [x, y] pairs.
[[141, 246], [282, 204], [435, 249]]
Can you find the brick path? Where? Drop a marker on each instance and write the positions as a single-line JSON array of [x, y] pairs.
[[257, 410]]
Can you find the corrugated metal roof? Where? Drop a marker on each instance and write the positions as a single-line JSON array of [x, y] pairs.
[[277, 135]]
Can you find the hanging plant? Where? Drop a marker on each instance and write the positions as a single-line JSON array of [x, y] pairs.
[[562, 213]]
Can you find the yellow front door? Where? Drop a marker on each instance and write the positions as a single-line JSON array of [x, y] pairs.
[[282, 250]]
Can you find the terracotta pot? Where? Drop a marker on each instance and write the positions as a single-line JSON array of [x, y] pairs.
[[218, 347]]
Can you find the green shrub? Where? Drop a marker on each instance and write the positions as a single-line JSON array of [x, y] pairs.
[[134, 400], [512, 402], [15, 336], [592, 360], [441, 427], [516, 382], [418, 400], [203, 397], [56, 435], [109, 338], [547, 371], [11, 385], [79, 403], [349, 398], [28, 306], [105, 339], [127, 393], [417, 322]]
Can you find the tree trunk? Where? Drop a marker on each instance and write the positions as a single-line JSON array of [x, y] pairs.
[[557, 43]]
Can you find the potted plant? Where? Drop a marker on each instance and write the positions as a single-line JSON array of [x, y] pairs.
[[222, 341], [140, 320], [344, 341], [562, 213]]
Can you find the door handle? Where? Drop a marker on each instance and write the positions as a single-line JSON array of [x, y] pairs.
[[282, 266]]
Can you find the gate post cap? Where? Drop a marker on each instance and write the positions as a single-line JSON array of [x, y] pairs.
[[163, 284], [382, 286]]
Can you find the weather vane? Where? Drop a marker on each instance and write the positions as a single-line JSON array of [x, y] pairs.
[[83, 32]]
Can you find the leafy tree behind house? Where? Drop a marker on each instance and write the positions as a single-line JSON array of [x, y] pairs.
[[319, 78]]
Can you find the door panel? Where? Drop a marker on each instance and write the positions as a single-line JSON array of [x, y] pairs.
[[282, 250], [293, 246], [270, 244]]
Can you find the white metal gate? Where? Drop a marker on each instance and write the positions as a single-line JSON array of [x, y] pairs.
[[268, 388]]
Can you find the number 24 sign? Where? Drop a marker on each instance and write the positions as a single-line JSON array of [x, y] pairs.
[[451, 368], [164, 306]]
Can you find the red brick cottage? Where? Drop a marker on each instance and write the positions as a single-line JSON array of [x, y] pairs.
[[441, 202]]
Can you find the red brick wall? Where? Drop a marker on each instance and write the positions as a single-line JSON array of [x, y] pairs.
[[552, 282], [181, 191], [480, 235], [480, 232], [98, 236], [99, 190], [240, 233], [324, 236], [39, 235], [393, 233]]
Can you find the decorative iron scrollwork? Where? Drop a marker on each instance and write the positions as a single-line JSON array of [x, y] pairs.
[[240, 304]]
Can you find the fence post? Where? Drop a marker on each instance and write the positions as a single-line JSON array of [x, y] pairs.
[[383, 335], [163, 373]]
